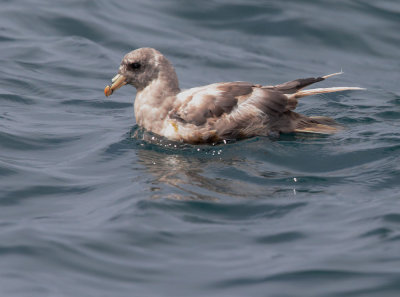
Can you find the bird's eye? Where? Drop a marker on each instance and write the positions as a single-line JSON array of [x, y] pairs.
[[134, 65]]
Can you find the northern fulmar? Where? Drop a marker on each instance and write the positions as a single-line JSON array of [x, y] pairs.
[[215, 112]]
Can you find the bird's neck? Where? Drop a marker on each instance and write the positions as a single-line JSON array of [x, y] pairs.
[[153, 103]]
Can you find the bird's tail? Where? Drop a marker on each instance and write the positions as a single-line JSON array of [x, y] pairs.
[[318, 124], [303, 93], [299, 93]]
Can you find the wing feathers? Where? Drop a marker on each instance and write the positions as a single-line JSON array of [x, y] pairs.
[[291, 87], [241, 109], [212, 102]]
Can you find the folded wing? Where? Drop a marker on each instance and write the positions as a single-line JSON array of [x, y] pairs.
[[240, 109]]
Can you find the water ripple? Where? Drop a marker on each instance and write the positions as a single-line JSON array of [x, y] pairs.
[[93, 205]]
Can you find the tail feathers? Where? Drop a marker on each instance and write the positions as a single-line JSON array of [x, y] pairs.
[[310, 92], [318, 129], [300, 123], [319, 125]]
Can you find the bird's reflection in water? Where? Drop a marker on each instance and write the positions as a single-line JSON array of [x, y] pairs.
[[182, 171], [206, 172], [175, 176]]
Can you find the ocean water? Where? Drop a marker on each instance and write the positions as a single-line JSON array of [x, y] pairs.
[[88, 208]]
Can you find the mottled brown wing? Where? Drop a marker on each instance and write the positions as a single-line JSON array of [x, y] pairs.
[[211, 101], [257, 115]]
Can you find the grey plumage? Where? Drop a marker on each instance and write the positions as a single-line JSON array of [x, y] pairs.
[[228, 110]]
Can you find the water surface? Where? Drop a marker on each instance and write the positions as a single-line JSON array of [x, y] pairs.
[[87, 210]]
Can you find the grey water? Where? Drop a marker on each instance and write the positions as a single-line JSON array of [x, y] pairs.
[[88, 208]]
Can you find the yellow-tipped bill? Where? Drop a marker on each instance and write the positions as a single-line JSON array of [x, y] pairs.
[[117, 82]]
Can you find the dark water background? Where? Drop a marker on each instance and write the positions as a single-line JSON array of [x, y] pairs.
[[86, 210]]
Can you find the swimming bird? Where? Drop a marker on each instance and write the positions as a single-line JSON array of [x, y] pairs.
[[215, 112]]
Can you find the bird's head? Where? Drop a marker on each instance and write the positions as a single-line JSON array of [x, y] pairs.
[[139, 68]]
